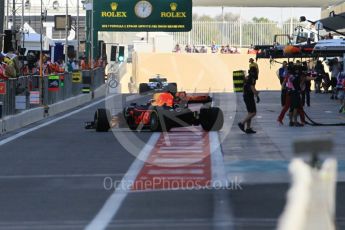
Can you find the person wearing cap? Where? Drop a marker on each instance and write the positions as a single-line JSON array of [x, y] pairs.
[[253, 69]]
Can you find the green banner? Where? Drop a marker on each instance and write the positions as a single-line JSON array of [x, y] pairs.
[[142, 15]]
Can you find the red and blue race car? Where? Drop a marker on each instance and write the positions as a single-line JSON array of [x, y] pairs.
[[165, 111]]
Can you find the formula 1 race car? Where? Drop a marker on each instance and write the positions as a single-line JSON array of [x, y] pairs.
[[163, 112], [157, 84]]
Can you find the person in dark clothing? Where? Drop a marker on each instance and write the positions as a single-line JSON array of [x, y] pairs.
[[293, 101], [295, 98], [249, 92], [335, 68], [320, 71], [305, 85], [282, 72], [305, 93]]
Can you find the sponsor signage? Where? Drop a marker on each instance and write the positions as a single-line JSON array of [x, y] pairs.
[[53, 83], [20, 102], [34, 97], [76, 77], [143, 15], [86, 89], [62, 81], [3, 88]]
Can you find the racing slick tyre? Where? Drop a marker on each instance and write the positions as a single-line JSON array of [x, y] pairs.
[[131, 123], [129, 120], [143, 88], [101, 120], [172, 88], [159, 121], [211, 119], [155, 124]]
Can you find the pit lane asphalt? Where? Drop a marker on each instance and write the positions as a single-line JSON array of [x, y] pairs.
[[53, 178]]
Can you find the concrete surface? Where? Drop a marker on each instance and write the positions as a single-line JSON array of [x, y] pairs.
[[267, 153]]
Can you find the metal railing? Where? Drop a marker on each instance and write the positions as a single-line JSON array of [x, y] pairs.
[[234, 33], [18, 90]]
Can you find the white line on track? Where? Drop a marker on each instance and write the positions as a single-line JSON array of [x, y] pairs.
[[113, 204], [18, 135], [180, 151], [177, 160], [181, 148], [217, 164], [222, 212], [175, 171]]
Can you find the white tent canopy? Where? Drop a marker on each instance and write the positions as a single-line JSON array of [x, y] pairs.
[[32, 39]]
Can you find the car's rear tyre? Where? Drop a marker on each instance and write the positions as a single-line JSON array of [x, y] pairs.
[[211, 119], [101, 120], [143, 88]]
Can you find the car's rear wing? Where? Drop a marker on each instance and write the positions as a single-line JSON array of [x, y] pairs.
[[194, 99]]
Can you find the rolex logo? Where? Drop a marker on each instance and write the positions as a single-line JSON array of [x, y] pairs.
[[173, 6], [113, 6]]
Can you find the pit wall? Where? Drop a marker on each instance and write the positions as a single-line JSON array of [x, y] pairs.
[[201, 72]]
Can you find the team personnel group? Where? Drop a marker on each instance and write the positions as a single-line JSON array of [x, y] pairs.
[[295, 79]]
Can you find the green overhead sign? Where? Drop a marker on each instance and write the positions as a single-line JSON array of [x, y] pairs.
[[142, 15]]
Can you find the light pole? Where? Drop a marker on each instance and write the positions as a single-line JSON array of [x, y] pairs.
[[92, 37], [2, 12], [223, 26], [22, 53], [14, 24], [66, 41], [77, 56], [41, 57]]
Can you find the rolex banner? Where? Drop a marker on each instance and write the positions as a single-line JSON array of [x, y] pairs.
[[142, 15]]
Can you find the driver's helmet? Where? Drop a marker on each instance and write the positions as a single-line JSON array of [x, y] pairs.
[[163, 99]]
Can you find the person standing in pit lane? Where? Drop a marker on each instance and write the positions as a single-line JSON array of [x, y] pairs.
[[335, 69], [292, 84], [287, 99], [320, 71], [295, 94], [305, 85], [282, 72], [341, 91], [249, 92], [254, 68]]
